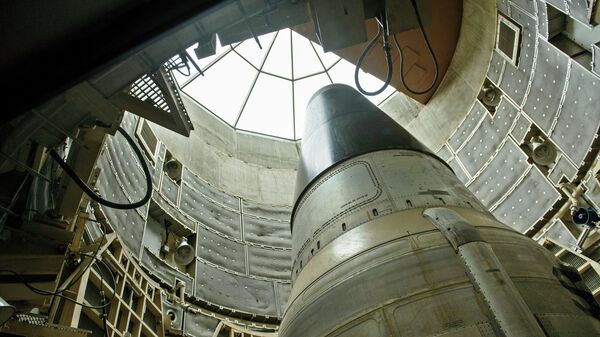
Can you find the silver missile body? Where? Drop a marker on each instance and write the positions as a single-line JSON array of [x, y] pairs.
[[388, 242]]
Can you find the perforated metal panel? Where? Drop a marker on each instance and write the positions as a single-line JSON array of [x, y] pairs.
[[563, 169], [578, 122], [169, 189], [468, 125], [209, 213], [527, 5], [486, 139], [163, 273], [500, 175], [199, 325], [547, 87], [561, 234], [521, 128], [444, 152], [263, 231], [458, 170], [579, 10], [528, 202], [236, 292], [542, 18], [209, 191], [271, 263], [220, 250], [275, 212], [496, 68]]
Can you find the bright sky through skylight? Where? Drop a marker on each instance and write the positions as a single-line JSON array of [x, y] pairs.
[[266, 90]]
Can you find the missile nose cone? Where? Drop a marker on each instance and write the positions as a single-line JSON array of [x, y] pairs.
[[341, 124]]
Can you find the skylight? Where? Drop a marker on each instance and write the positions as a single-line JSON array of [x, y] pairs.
[[266, 90]]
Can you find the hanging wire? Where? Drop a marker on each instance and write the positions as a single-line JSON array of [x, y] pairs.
[[424, 34], [87, 190], [381, 31]]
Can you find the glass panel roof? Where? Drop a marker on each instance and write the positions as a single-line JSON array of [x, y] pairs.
[[266, 90]]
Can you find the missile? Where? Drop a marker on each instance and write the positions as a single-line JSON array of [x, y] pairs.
[[386, 241]]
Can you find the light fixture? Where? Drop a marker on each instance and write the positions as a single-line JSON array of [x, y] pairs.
[[6, 311], [184, 254], [542, 151]]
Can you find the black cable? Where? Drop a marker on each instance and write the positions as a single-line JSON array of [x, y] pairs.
[[381, 30], [69, 171], [435, 79]]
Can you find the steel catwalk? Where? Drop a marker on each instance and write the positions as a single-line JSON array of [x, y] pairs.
[[387, 242]]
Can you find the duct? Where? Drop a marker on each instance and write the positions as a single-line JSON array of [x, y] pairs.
[[488, 137], [522, 126], [535, 194], [269, 263], [548, 83], [579, 120], [503, 171], [235, 292], [202, 187], [208, 213], [220, 250], [468, 126], [266, 232]]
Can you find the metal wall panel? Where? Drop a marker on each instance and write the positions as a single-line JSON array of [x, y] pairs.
[[521, 128], [577, 125], [496, 69], [527, 5], [562, 168], [486, 139], [169, 189], [515, 79], [235, 292], [166, 274], [593, 192], [561, 5], [276, 212], [271, 263], [468, 125], [220, 250], [528, 202], [445, 153], [210, 191], [500, 175], [542, 15], [561, 234], [458, 170], [548, 84], [283, 291], [596, 59], [267, 232], [209, 213], [579, 10], [199, 325]]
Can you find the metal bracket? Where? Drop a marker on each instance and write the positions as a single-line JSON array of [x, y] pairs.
[[454, 227]]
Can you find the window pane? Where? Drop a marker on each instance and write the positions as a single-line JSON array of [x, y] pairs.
[[306, 61], [269, 108], [224, 86], [279, 60], [251, 52]]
